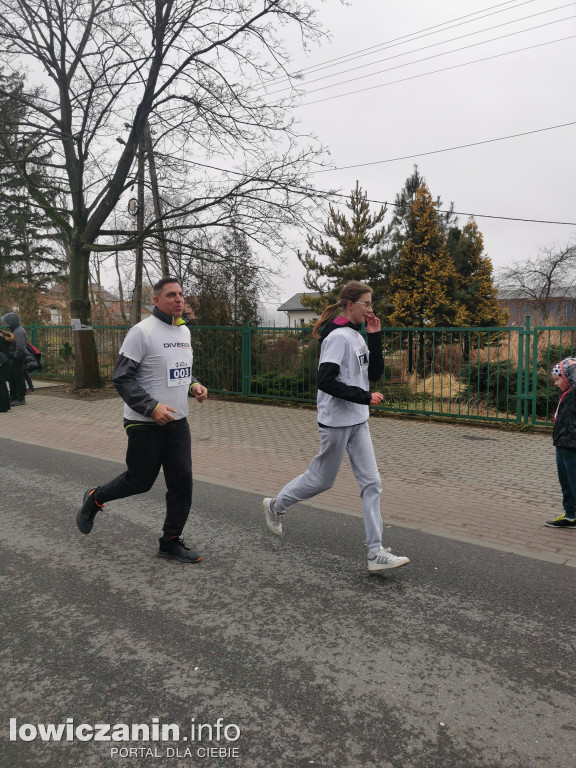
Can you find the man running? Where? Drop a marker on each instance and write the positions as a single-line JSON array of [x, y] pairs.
[[153, 375]]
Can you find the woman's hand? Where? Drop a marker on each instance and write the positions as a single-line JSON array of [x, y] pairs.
[[372, 323]]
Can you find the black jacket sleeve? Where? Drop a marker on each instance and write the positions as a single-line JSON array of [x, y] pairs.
[[193, 380], [124, 379], [564, 433], [327, 382], [376, 359]]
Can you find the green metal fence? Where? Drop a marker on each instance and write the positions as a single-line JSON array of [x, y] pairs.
[[487, 374], [57, 347]]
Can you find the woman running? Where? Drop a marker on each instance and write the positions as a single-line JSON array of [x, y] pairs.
[[346, 367]]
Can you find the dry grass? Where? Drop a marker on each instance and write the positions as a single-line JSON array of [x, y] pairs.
[[440, 385]]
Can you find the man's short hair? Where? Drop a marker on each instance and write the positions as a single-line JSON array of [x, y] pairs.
[[161, 283]]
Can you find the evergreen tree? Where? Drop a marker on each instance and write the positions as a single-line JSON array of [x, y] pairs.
[[226, 291], [400, 224], [358, 254], [476, 289], [244, 278], [424, 283], [27, 252], [210, 300]]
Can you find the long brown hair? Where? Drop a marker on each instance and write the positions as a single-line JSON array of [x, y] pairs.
[[351, 292]]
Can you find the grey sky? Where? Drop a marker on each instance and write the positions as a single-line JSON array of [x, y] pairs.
[[530, 177]]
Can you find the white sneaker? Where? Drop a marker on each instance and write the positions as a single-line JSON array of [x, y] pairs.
[[273, 519], [385, 559]]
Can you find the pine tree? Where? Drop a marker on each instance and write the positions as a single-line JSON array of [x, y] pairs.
[[423, 284], [243, 278], [356, 255], [476, 289], [400, 224], [210, 296], [226, 291], [27, 253]]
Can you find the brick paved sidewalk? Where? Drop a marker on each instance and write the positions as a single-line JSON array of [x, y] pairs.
[[485, 486]]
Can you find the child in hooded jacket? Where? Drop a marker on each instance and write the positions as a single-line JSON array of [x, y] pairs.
[[345, 369], [564, 438]]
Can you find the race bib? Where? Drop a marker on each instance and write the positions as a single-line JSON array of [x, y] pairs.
[[362, 355], [179, 373]]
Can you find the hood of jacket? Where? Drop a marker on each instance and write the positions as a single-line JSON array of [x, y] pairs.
[[338, 322], [11, 319]]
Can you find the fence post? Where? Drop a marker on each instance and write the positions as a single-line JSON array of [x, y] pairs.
[[33, 334], [246, 360], [520, 375], [534, 374], [526, 390], [523, 394]]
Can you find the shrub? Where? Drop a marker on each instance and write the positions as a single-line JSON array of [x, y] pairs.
[[491, 383], [284, 385], [66, 352], [495, 385]]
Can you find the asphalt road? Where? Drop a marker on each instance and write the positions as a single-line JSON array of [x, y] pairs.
[[463, 659]]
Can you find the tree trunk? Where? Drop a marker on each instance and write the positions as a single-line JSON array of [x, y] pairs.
[[136, 308], [162, 247], [86, 368]]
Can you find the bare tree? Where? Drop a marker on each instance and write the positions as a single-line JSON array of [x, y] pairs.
[[546, 279], [104, 70]]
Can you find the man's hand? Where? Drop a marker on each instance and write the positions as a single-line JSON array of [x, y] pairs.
[[162, 414], [377, 397], [372, 323], [199, 392]]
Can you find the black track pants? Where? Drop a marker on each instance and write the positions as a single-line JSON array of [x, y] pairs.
[[4, 397], [149, 448], [16, 380]]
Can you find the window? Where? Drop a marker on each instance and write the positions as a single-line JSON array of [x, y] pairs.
[[55, 316]]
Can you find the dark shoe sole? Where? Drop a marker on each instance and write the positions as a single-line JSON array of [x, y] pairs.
[[561, 526], [173, 556]]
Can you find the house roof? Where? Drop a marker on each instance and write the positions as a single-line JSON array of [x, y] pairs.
[[294, 304], [103, 294], [556, 292]]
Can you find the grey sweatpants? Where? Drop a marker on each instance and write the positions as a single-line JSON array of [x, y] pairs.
[[321, 475]]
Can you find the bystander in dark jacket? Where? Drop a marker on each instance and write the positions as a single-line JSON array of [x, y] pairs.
[[16, 380], [6, 341]]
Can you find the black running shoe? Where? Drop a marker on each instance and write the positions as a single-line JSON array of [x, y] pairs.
[[561, 522], [176, 549], [90, 507]]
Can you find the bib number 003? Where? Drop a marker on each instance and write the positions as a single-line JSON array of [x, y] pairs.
[[179, 374]]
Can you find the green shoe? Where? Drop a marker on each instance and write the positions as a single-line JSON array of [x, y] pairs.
[[562, 522]]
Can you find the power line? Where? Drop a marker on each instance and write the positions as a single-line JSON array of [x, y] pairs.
[[433, 45], [436, 71], [398, 40], [447, 149], [385, 202], [475, 215]]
